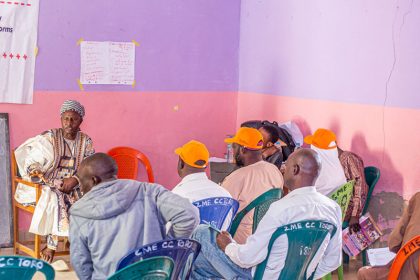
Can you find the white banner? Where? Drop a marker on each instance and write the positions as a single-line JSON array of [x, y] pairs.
[[18, 39]]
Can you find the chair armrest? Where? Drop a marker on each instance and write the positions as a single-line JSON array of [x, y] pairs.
[[38, 188], [27, 183]]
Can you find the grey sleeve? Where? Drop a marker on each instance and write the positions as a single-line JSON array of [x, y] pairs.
[[177, 210], [80, 254]]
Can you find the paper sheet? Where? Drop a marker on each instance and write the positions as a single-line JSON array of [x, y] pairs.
[[107, 62], [380, 256]]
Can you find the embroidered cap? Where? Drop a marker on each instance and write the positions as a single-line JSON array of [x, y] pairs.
[[72, 105]]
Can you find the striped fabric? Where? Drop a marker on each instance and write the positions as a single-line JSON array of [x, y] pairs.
[[72, 105]]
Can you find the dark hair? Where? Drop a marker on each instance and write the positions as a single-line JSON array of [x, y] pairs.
[[252, 124], [102, 165], [273, 132]]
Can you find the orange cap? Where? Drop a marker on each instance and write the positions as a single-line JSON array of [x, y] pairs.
[[321, 139], [194, 153], [247, 137]]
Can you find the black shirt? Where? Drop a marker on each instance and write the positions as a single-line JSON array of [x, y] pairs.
[[276, 158]]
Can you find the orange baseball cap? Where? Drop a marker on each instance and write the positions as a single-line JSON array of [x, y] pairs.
[[194, 153], [247, 137], [321, 139]]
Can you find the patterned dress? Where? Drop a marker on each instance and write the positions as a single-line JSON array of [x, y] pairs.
[[68, 154], [354, 170]]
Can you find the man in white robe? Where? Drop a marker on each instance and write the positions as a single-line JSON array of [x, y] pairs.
[[53, 159]]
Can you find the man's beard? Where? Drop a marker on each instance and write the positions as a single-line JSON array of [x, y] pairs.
[[238, 161]]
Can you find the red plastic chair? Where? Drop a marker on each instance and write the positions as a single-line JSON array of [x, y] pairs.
[[128, 162], [403, 254]]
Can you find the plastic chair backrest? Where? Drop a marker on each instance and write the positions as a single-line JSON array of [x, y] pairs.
[[304, 240], [261, 205], [403, 254], [128, 162], [157, 268], [182, 251], [372, 175], [214, 210], [343, 196], [22, 268]]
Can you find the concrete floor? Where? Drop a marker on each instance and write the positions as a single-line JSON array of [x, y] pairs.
[[350, 272]]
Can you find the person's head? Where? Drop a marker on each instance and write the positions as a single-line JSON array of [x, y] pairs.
[[323, 139], [270, 135], [96, 169], [72, 113], [247, 144], [193, 158], [302, 169], [252, 124]]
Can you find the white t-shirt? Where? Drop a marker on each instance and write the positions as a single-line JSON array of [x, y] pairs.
[[299, 205], [331, 175], [197, 186]]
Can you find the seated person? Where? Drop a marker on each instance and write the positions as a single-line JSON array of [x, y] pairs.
[[117, 216], [407, 228], [331, 176], [286, 133], [270, 152], [230, 260], [54, 156], [195, 186], [354, 170], [254, 178]]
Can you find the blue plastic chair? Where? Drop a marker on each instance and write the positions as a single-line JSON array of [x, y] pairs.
[[182, 251], [23, 268], [214, 210], [304, 240]]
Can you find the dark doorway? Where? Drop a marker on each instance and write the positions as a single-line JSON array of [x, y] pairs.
[[6, 220]]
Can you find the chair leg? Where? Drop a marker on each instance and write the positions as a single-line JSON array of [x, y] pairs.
[[341, 272], [364, 258], [15, 229], [37, 248], [346, 258]]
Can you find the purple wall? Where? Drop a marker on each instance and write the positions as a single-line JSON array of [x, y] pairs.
[[185, 45], [332, 50]]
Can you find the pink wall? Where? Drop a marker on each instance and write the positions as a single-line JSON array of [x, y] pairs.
[[358, 128], [392, 147], [143, 120], [153, 122]]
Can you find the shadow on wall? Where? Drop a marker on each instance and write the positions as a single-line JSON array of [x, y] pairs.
[[303, 125], [391, 180], [335, 126], [386, 209], [387, 203]]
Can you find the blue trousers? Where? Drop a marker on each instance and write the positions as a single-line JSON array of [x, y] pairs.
[[213, 263]]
